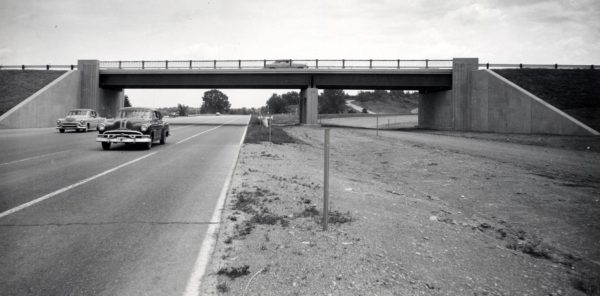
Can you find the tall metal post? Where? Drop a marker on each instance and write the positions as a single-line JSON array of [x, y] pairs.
[[326, 181]]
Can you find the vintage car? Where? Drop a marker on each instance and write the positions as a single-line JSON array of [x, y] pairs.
[[79, 120], [134, 125], [285, 64]]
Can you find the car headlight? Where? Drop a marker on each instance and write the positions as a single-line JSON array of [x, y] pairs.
[[58, 121], [144, 127], [101, 127], [82, 122]]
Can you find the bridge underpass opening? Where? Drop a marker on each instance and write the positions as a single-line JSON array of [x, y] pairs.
[[241, 100]]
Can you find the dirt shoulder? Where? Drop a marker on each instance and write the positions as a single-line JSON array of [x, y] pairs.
[[411, 216]]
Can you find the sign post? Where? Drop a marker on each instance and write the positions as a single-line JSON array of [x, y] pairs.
[[326, 181]]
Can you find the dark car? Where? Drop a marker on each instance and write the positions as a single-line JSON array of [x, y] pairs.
[[134, 125]]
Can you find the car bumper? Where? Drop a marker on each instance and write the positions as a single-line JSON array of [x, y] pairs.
[[71, 126], [123, 139]]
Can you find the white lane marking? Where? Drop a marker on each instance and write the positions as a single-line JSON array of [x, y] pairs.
[[33, 157], [208, 244], [206, 131], [59, 191]]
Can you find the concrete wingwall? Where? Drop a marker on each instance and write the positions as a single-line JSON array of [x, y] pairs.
[[495, 104], [498, 105], [44, 107]]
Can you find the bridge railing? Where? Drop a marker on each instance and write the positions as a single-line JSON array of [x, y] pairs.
[[38, 67], [261, 64], [311, 64], [536, 66]]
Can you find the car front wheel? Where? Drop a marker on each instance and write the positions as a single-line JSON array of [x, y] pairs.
[[163, 137], [61, 130], [105, 145]]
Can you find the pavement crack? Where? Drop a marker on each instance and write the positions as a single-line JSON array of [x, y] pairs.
[[110, 223]]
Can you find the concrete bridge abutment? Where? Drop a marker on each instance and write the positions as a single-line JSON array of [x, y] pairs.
[[309, 106], [107, 102], [450, 109]]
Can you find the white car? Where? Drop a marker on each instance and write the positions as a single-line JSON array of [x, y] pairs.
[[79, 120], [278, 64]]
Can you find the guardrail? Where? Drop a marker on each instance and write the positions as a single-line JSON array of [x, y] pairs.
[[309, 64], [535, 66], [38, 67], [262, 64]]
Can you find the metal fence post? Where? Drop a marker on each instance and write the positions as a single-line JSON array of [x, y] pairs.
[[264, 63], [166, 64], [343, 64], [326, 181], [521, 66], [371, 64], [239, 64], [487, 65], [214, 64], [47, 67], [190, 64], [119, 64], [22, 67], [398, 63], [317, 63], [426, 63], [555, 66], [143, 65]]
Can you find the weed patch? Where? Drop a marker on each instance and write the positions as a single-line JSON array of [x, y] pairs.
[[258, 133], [337, 217], [266, 218], [234, 272]]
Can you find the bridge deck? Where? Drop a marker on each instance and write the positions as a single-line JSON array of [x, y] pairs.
[[278, 78]]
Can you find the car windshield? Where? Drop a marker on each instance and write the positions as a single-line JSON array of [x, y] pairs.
[[143, 114], [77, 112]]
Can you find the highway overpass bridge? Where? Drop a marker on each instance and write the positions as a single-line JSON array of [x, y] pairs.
[[456, 94]]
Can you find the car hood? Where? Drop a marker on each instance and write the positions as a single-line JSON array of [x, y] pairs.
[[125, 123], [71, 118]]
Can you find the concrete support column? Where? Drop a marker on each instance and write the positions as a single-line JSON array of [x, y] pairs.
[[309, 106], [106, 101], [462, 76]]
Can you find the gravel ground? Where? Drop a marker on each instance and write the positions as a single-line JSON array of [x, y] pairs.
[[413, 214]]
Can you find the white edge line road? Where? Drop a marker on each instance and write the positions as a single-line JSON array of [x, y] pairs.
[[193, 285], [59, 191]]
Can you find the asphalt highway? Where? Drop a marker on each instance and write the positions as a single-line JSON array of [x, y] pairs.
[[77, 220]]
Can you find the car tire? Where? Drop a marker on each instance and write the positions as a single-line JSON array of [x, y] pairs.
[[105, 145], [148, 145], [163, 137], [61, 130]]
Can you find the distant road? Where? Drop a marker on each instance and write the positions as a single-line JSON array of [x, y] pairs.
[[118, 222], [385, 121], [206, 119], [357, 108]]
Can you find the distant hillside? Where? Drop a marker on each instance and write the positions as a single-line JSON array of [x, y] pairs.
[[17, 85], [390, 102], [576, 92]]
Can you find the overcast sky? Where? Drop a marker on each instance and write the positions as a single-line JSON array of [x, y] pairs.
[[498, 31]]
